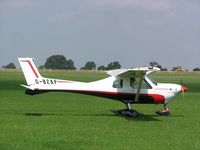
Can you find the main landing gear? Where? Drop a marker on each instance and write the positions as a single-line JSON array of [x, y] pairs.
[[129, 112], [165, 112]]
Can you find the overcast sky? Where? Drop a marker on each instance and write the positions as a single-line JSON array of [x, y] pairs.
[[133, 32]]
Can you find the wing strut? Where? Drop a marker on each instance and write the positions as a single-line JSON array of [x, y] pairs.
[[139, 88]]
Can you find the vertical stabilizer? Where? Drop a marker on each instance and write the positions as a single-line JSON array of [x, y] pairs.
[[29, 69]]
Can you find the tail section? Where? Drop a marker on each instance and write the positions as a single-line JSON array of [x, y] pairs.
[[29, 69]]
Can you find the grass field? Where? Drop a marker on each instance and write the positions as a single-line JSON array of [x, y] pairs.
[[66, 121]]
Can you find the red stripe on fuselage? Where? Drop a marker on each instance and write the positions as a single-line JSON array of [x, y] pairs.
[[143, 98], [34, 71], [157, 98]]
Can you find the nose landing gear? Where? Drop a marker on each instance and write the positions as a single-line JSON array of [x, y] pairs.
[[165, 112]]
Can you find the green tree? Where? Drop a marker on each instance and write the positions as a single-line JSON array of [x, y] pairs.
[[155, 64], [10, 66], [163, 69], [41, 67], [113, 65], [101, 68], [196, 69], [59, 62], [174, 68], [90, 65], [70, 65]]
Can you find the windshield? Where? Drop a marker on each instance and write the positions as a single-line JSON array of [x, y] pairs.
[[151, 79]]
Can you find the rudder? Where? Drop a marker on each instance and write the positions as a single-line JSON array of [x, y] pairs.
[[29, 70]]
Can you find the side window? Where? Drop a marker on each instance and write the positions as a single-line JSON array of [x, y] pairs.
[[118, 83], [132, 82]]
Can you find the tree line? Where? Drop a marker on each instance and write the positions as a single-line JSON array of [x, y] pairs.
[[61, 63]]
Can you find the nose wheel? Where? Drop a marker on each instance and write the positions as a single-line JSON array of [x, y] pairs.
[[165, 112]]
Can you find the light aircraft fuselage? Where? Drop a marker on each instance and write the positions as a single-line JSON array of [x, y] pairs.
[[126, 85]]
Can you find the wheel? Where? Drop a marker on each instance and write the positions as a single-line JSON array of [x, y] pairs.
[[165, 112], [129, 113]]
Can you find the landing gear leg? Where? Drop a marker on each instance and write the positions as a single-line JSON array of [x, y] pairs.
[[128, 105], [165, 112], [129, 112]]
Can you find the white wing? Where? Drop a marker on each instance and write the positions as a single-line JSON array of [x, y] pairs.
[[136, 72]]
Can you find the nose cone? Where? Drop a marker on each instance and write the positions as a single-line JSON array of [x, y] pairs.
[[183, 88]]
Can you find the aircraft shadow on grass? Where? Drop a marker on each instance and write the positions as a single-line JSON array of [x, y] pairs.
[[141, 117], [115, 113]]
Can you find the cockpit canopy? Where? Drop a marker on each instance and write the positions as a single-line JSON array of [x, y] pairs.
[[132, 77]]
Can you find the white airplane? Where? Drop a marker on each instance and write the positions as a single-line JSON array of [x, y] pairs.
[[129, 86]]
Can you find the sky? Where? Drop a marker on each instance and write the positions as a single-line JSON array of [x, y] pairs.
[[133, 32]]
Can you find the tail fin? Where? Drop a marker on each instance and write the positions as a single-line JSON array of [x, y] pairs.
[[29, 69]]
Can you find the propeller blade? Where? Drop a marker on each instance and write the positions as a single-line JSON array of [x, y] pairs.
[[183, 89]]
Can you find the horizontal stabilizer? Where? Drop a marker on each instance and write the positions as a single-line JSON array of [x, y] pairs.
[[28, 87]]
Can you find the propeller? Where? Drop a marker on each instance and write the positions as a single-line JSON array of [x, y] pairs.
[[183, 88]]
